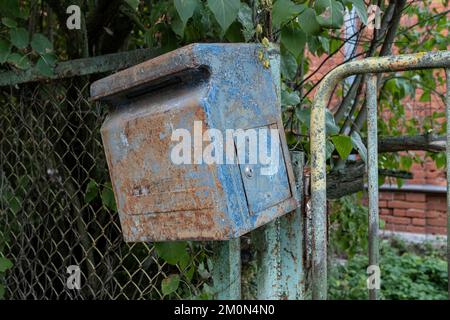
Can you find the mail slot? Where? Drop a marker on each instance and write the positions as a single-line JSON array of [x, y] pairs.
[[195, 144]]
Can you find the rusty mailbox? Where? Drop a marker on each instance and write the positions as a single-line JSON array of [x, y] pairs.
[[168, 184]]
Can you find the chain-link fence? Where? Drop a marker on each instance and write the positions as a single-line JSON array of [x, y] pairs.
[[57, 207]]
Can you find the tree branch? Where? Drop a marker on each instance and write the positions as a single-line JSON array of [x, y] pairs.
[[425, 142], [350, 179]]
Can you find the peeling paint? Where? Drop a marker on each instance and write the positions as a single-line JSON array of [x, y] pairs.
[[226, 87], [438, 59]]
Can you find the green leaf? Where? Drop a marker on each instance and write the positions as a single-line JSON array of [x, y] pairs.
[[331, 126], [361, 9], [225, 11], [325, 42], [50, 59], [343, 145], [406, 162], [134, 4], [5, 264], [19, 37], [177, 26], [288, 65], [171, 252], [19, 61], [10, 8], [293, 38], [185, 9], [284, 10], [108, 197], [304, 116], [308, 22], [2, 291], [289, 98], [170, 284], [91, 191], [425, 97], [10, 23], [5, 50], [44, 68], [359, 146], [329, 148], [41, 44], [234, 33], [330, 13], [246, 20]]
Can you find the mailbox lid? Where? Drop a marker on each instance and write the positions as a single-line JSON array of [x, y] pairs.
[[265, 185]]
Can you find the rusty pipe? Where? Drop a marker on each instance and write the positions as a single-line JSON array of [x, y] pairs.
[[438, 59]]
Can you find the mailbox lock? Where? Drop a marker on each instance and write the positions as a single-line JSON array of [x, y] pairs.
[[248, 172]]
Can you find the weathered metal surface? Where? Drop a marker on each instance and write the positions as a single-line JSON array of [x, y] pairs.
[[226, 271], [439, 59], [372, 168], [80, 67], [280, 250], [225, 86], [447, 111]]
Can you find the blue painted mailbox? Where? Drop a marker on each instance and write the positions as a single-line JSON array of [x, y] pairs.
[[192, 145]]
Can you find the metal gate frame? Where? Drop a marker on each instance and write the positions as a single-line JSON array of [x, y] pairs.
[[371, 66]]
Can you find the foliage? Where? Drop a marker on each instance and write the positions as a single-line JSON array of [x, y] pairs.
[[19, 48], [348, 226], [5, 264], [407, 271], [404, 275]]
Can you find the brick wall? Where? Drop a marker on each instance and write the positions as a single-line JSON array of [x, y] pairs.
[[414, 212]]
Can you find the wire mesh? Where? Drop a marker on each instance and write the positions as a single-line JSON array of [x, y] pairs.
[[56, 207]]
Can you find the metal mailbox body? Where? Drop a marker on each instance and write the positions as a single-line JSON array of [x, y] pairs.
[[225, 86]]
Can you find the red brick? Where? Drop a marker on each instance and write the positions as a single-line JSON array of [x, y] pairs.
[[436, 230], [406, 204], [437, 222], [396, 227], [399, 196], [436, 199], [416, 229], [415, 213], [385, 212], [434, 214], [399, 212], [397, 220], [418, 221], [417, 197], [437, 206], [386, 196], [382, 203]]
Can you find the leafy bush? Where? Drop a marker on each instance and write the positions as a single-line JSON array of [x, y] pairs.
[[404, 275], [5, 264], [348, 226], [408, 271]]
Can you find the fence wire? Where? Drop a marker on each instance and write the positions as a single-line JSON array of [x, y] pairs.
[[56, 206]]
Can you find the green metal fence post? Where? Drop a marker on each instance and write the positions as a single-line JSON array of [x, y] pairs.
[[226, 272], [447, 111], [280, 250], [372, 168]]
